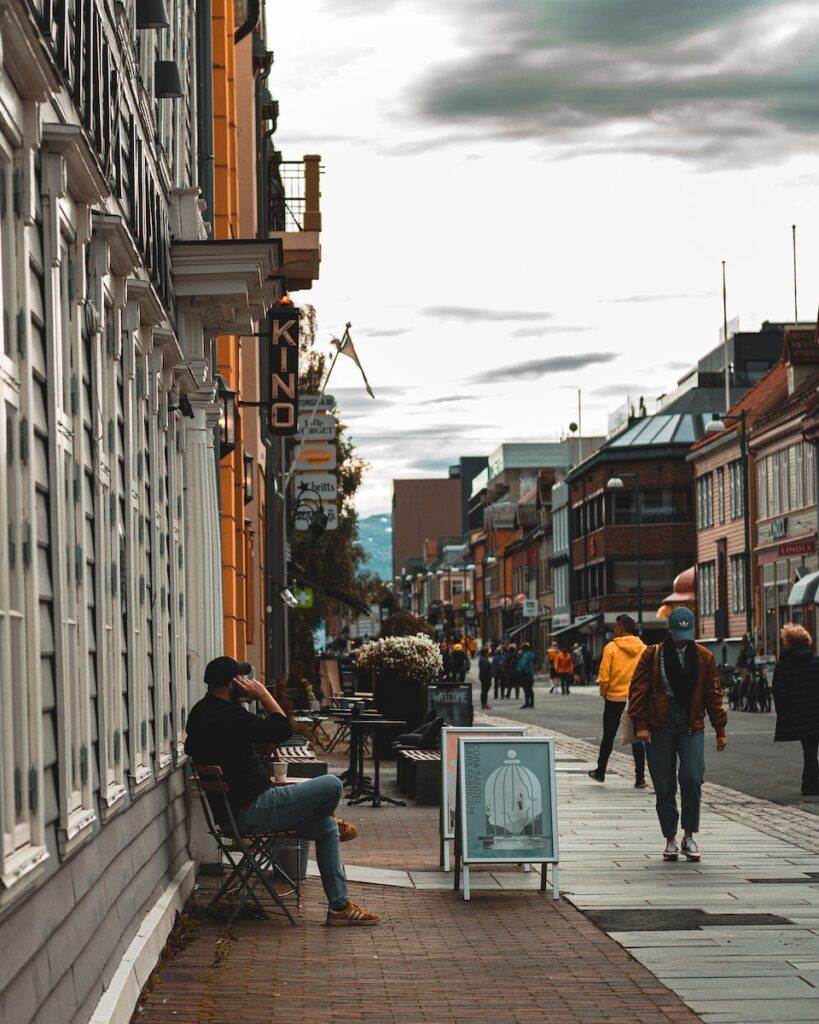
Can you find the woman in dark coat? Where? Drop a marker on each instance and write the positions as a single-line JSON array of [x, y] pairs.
[[796, 695]]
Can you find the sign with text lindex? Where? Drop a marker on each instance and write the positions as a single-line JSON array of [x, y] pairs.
[[283, 376], [315, 455], [316, 426], [323, 485]]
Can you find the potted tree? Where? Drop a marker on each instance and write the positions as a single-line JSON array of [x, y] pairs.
[[401, 666]]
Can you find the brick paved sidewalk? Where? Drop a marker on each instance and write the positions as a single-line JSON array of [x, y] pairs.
[[504, 958]]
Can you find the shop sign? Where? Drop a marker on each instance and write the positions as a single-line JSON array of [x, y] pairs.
[[304, 516], [321, 486], [317, 403], [316, 455], [797, 547], [316, 426], [283, 380], [779, 528], [530, 608], [304, 597]]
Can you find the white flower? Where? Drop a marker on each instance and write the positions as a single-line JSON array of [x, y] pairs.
[[417, 657]]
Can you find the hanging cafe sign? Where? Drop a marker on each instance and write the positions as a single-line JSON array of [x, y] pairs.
[[283, 375]]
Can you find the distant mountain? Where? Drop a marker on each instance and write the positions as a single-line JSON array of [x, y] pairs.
[[375, 536]]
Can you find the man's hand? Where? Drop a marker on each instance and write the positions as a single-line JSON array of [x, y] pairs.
[[256, 690], [643, 736], [722, 741]]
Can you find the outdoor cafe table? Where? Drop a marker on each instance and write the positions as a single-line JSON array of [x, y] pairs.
[[362, 791]]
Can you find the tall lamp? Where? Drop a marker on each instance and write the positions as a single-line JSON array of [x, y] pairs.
[[615, 483]]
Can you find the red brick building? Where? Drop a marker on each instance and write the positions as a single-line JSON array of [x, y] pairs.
[[604, 525], [422, 509]]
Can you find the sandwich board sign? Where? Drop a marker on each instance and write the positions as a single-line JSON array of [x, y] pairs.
[[321, 486], [506, 805], [449, 773]]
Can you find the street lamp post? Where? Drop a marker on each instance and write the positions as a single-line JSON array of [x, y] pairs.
[[717, 426], [615, 483]]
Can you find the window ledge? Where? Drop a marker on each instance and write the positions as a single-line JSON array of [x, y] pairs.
[[19, 865], [141, 780], [113, 801], [79, 828]]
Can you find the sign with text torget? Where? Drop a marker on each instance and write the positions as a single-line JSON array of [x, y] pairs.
[[283, 382]]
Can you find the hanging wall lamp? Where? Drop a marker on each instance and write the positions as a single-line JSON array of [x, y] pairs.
[[167, 80], [151, 14]]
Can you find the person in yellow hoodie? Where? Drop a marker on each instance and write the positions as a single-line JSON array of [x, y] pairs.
[[617, 666]]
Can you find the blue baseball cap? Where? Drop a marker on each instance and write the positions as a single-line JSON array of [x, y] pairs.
[[681, 624]]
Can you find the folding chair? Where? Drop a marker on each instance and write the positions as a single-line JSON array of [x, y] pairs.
[[256, 851]]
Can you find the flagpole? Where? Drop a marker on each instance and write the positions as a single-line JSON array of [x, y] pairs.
[[795, 306], [292, 469], [725, 340]]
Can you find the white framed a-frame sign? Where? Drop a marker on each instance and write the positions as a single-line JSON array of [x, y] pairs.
[[449, 774], [506, 805]]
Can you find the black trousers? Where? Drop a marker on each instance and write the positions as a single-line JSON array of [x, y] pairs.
[[566, 681], [528, 692], [497, 682], [485, 684], [810, 771], [612, 713]]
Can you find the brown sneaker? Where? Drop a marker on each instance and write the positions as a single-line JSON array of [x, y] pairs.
[[346, 831], [351, 915]]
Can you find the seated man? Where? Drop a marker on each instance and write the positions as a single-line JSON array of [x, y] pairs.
[[222, 732]]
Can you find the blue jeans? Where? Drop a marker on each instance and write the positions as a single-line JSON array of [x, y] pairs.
[[666, 746], [306, 808]]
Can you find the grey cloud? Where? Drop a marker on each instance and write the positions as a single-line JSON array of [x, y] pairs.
[[536, 368], [543, 329], [622, 390], [717, 82], [660, 297], [474, 314], [431, 465], [383, 332], [448, 398]]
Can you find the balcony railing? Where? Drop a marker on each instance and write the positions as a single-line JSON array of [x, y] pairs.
[[294, 193]]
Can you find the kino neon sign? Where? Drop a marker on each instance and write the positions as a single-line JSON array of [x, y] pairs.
[[284, 371]]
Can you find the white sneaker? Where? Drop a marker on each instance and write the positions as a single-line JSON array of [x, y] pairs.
[[690, 849], [671, 851]]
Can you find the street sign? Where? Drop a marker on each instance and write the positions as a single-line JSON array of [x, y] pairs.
[[305, 513], [321, 486], [530, 608], [312, 403], [316, 455], [316, 426], [304, 597]]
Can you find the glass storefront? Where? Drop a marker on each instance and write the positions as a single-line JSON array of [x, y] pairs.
[[776, 580]]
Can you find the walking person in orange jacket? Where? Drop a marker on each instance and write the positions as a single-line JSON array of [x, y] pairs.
[[564, 667], [617, 665], [674, 684]]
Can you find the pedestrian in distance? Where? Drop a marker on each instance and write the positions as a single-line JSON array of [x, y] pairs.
[[497, 671], [564, 666], [552, 654], [485, 677], [510, 676], [579, 667], [587, 661], [446, 659], [796, 697], [526, 672], [459, 664], [674, 685], [617, 665]]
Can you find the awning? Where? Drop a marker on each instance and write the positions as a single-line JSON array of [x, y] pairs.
[[525, 625], [583, 624], [804, 591]]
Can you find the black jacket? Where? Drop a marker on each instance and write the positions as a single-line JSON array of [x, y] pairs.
[[225, 734], [796, 694], [484, 670]]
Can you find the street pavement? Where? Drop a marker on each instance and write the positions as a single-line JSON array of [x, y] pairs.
[[752, 764]]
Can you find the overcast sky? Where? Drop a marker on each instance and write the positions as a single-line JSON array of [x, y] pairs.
[[523, 197]]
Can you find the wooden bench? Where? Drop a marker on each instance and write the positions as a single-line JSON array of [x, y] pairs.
[[419, 774]]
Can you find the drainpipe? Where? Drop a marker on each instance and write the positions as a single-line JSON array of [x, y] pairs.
[[204, 103], [250, 22]]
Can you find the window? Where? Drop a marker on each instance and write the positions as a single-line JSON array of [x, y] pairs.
[[786, 480], [22, 843], [706, 590], [738, 583], [705, 502], [721, 494], [657, 575], [736, 489], [809, 456], [762, 487]]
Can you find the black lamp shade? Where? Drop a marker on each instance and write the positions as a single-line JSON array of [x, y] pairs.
[[227, 417], [167, 80], [247, 459], [151, 14]]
